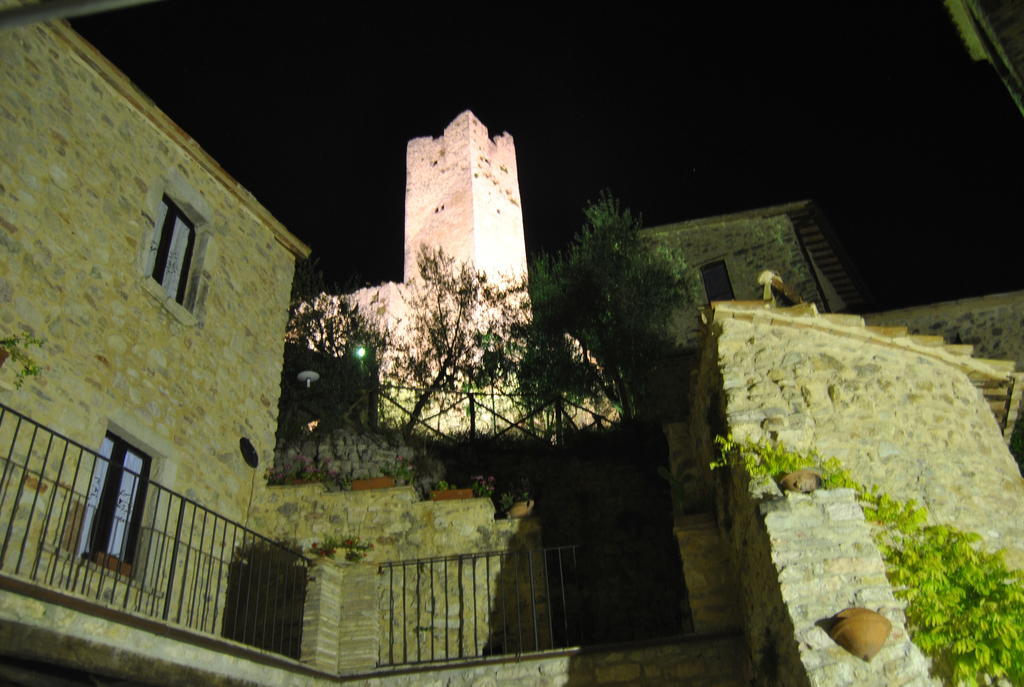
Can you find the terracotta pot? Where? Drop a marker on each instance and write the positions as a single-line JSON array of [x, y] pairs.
[[521, 509], [449, 494], [3, 356], [801, 481], [112, 563], [860, 631], [375, 483]]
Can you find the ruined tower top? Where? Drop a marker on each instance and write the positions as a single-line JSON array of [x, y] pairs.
[[462, 195]]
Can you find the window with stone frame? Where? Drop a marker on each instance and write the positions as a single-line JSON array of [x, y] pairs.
[[171, 250], [716, 281], [108, 525]]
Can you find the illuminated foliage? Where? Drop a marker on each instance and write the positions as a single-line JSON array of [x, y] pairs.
[[600, 309], [965, 608]]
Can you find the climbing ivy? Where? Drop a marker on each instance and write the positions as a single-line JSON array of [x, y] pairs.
[[965, 608]]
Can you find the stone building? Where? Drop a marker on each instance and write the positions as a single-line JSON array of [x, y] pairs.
[[160, 288], [461, 196], [133, 528], [794, 240], [993, 31], [462, 193], [159, 285]]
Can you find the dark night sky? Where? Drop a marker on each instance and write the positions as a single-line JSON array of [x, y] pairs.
[[871, 108]]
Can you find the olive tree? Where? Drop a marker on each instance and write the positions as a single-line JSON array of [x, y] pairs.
[[600, 310], [329, 334], [461, 331]]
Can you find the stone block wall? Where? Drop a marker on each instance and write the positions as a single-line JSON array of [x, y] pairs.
[[356, 455], [748, 245], [419, 611], [685, 661], [901, 413], [85, 159], [32, 628], [993, 324], [462, 194], [395, 520], [803, 559]]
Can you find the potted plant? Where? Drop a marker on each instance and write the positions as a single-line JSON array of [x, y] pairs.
[[13, 347], [517, 502], [446, 492], [300, 469], [483, 487], [355, 549], [324, 549], [367, 483], [401, 469]]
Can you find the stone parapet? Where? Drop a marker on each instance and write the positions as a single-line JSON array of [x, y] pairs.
[[359, 630], [908, 416], [993, 325], [321, 618], [710, 582], [805, 557]]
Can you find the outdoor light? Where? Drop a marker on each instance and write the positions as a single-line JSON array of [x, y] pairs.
[[308, 376], [360, 352], [249, 454]]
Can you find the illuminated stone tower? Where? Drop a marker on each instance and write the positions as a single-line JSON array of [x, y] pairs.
[[462, 195]]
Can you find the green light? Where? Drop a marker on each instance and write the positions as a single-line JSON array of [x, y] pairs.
[[360, 352]]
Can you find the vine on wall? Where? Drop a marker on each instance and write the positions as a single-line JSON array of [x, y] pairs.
[[965, 608]]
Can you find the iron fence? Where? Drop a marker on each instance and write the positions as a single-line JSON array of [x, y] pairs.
[[470, 415], [77, 521], [486, 604]]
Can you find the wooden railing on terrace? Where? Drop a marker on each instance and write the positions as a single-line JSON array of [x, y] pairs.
[[458, 416]]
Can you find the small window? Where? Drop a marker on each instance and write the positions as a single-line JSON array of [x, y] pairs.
[[113, 507], [170, 251], [716, 281]]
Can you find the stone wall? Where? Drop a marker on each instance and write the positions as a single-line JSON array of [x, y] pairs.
[[361, 455], [898, 412], [895, 412], [85, 159], [803, 559], [395, 520], [462, 194], [420, 608], [29, 630], [993, 324], [797, 559], [748, 244], [689, 661]]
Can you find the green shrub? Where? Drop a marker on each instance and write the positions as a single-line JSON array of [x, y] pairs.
[[965, 608]]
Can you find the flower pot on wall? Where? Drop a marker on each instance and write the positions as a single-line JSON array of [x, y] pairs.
[[375, 483], [860, 631], [521, 509], [449, 494], [801, 481], [111, 562]]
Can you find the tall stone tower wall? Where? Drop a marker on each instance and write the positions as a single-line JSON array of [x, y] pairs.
[[462, 195]]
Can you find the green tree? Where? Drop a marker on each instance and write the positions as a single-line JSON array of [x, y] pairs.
[[462, 330], [600, 310], [328, 334]]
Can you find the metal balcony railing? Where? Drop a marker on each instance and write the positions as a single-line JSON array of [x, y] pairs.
[[76, 521], [486, 604]]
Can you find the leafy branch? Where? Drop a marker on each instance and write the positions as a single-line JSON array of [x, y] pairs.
[[965, 608]]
